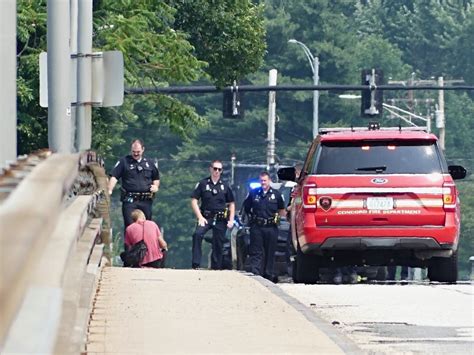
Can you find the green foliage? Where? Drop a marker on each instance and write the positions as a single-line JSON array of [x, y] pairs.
[[460, 143], [466, 242], [229, 35], [155, 52], [373, 51], [425, 31], [155, 55], [462, 48], [31, 41]]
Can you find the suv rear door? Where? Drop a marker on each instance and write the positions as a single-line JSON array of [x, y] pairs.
[[379, 183]]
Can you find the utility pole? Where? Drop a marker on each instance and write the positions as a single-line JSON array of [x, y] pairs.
[[440, 119], [411, 103], [315, 97], [59, 81], [72, 75], [8, 141], [84, 76], [74, 8], [440, 114], [272, 81]]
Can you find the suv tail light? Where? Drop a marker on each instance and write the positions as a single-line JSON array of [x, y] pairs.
[[449, 196], [310, 199]]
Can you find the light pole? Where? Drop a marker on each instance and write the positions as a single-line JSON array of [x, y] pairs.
[[314, 63]]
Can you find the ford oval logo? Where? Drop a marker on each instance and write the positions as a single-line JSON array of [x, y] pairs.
[[379, 181]]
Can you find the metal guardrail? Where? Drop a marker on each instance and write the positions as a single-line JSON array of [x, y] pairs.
[[49, 233]]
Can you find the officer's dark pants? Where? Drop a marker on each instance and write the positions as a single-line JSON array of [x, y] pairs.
[[218, 235], [128, 207], [262, 248]]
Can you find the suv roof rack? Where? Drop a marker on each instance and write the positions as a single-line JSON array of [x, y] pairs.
[[354, 129]]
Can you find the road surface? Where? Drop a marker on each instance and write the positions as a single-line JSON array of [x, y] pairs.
[[415, 318]]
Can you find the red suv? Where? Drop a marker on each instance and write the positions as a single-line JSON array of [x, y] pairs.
[[375, 197]]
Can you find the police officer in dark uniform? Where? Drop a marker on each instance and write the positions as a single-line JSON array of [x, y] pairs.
[[140, 181], [216, 212], [264, 206]]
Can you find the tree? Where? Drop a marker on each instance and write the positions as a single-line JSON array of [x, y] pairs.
[[157, 53], [462, 49], [228, 35], [423, 30], [31, 41]]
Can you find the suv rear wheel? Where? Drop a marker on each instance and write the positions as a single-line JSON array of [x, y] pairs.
[[444, 269], [305, 268]]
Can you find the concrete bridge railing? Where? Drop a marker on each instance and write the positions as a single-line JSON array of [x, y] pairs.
[[53, 226]]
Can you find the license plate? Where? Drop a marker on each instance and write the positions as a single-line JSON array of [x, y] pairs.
[[379, 203]]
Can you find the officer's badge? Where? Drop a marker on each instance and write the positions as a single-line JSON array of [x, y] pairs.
[[272, 197], [132, 166], [208, 188], [222, 187], [147, 165]]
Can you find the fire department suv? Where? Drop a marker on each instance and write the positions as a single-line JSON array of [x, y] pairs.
[[370, 196]]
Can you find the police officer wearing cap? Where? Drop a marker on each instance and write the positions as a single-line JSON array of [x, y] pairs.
[[264, 206], [216, 212], [140, 181]]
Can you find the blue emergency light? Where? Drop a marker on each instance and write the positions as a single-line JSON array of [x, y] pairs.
[[254, 185]]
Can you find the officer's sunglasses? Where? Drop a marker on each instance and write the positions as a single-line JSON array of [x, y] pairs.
[[216, 168]]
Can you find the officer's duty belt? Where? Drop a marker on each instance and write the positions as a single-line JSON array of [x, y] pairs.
[[260, 221], [140, 196], [218, 216]]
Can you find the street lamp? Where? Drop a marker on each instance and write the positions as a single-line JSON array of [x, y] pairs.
[[314, 63]]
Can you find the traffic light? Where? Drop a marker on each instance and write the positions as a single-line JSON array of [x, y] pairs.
[[372, 100], [233, 103]]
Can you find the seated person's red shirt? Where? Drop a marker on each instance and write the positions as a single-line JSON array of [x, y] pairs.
[[134, 233]]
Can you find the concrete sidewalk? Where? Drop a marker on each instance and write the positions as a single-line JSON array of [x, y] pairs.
[[162, 311]]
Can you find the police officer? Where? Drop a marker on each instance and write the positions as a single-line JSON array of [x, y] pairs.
[[140, 181], [265, 206], [215, 196]]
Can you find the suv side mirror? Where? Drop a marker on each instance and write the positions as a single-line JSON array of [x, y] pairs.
[[457, 172], [288, 174]]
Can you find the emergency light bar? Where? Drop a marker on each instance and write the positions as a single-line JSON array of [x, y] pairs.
[[354, 129]]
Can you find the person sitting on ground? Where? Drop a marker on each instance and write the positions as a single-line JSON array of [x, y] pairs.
[[150, 232]]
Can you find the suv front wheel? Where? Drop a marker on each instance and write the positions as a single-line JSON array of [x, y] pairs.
[[444, 269]]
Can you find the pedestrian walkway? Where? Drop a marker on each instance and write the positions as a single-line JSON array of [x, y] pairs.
[[163, 311]]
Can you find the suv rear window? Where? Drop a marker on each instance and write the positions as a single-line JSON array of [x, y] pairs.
[[383, 157]]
